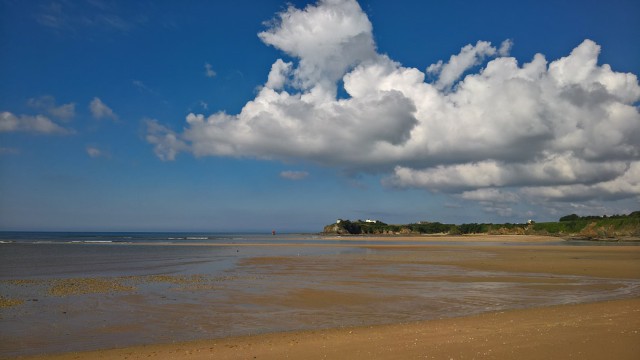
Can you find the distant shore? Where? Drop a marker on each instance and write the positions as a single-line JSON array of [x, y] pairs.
[[483, 237], [448, 238], [600, 228]]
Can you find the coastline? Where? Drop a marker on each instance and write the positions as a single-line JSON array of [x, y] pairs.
[[586, 331]]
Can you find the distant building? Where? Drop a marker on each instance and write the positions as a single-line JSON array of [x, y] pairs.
[[371, 221], [338, 221], [529, 222]]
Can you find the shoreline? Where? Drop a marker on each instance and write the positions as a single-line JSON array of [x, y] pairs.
[[338, 240], [485, 237], [609, 329]]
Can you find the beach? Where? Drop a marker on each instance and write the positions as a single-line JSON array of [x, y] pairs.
[[382, 297], [609, 330]]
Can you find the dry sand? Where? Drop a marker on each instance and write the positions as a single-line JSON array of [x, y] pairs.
[[604, 330]]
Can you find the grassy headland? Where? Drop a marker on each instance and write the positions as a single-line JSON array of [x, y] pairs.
[[616, 227]]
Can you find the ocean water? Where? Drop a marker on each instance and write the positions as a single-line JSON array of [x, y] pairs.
[[25, 255], [147, 237], [166, 287], [192, 238]]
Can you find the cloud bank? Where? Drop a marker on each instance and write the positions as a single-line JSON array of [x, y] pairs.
[[560, 130]]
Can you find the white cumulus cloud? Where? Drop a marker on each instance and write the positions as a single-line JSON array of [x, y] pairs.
[[95, 152], [100, 110], [208, 71], [48, 104], [484, 121], [294, 175], [327, 39], [31, 124], [490, 195], [468, 57], [279, 74], [167, 143], [505, 47]]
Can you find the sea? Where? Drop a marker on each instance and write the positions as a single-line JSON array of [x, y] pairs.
[[240, 238]]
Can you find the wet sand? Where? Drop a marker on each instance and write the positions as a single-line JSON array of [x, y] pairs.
[[372, 287], [607, 330]]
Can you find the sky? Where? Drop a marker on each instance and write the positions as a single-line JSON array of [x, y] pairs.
[[260, 115]]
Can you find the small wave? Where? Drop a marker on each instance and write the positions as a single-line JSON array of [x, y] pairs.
[[98, 241], [197, 238], [6, 242]]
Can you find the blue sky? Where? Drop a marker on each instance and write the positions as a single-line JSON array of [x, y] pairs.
[[400, 111]]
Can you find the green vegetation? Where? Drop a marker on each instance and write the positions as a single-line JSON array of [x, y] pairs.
[[587, 227], [363, 227], [593, 227]]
